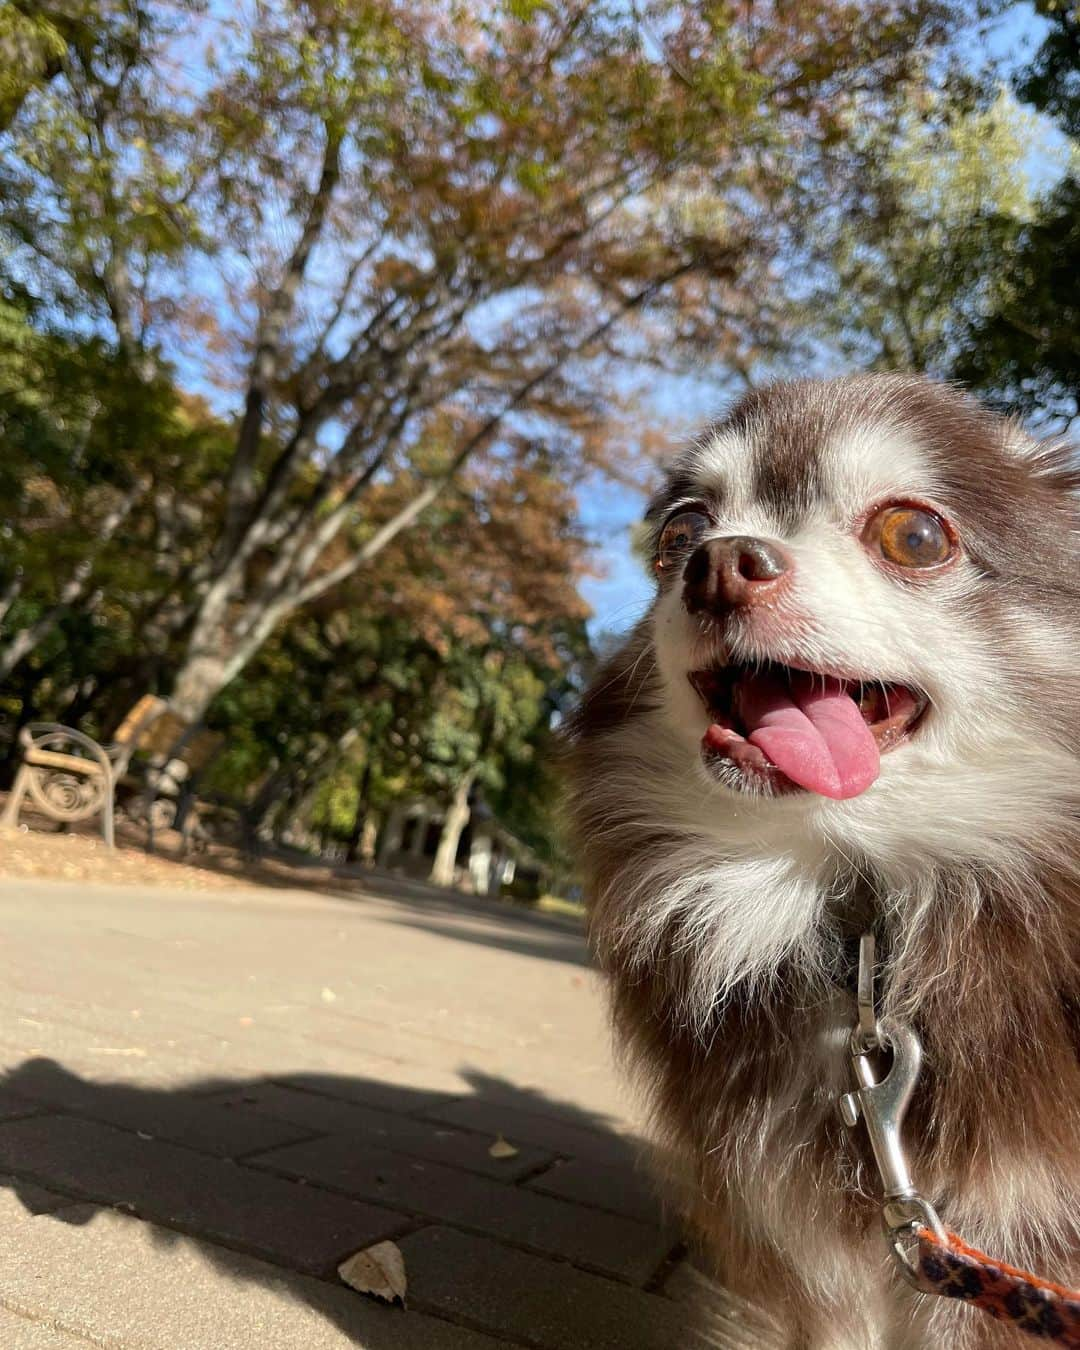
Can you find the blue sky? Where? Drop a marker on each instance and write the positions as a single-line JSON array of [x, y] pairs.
[[621, 593], [619, 596]]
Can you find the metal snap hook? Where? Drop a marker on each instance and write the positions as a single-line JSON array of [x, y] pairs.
[[881, 1103], [867, 1028]]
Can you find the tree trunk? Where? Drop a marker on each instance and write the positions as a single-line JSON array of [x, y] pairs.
[[79, 700], [390, 842], [27, 639], [198, 682], [420, 831], [28, 712], [360, 820], [481, 863], [363, 836], [306, 778], [369, 837], [457, 817], [240, 492], [10, 593], [286, 814]]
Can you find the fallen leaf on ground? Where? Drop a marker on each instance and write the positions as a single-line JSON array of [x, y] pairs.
[[502, 1149], [378, 1270]]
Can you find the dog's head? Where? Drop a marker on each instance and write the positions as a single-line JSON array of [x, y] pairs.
[[864, 642], [863, 579]]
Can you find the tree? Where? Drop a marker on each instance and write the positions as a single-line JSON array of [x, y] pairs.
[[1025, 351], [444, 229], [104, 480], [443, 669], [1024, 347], [937, 194], [1052, 82], [36, 42], [97, 170], [484, 726]]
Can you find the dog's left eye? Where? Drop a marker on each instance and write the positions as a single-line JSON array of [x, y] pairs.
[[910, 537], [679, 536]]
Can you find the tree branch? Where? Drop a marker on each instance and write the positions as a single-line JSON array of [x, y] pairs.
[[240, 486], [409, 513], [11, 593], [26, 639]]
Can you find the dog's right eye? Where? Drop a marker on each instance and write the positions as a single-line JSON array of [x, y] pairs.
[[679, 536]]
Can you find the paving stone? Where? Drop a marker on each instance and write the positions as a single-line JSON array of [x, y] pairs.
[[400, 1134], [188, 996], [114, 1281], [391, 1086], [602, 1242], [543, 1302], [12, 1107], [686, 1281], [296, 1225], [619, 1190], [18, 1333], [548, 1132], [35, 1199], [195, 1122]]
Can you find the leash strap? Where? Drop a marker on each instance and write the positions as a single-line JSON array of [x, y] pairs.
[[931, 1258], [952, 1269]]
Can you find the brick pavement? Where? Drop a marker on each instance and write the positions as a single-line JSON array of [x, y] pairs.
[[209, 1100]]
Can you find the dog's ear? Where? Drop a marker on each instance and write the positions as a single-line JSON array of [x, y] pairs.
[[1020, 444], [1053, 459]]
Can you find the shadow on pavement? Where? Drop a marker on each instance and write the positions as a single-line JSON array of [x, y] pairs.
[[560, 1244], [508, 937], [493, 923]]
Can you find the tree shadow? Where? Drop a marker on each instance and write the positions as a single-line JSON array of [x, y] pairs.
[[567, 948], [506, 926], [279, 1180]]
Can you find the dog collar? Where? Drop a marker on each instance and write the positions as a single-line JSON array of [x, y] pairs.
[[928, 1255]]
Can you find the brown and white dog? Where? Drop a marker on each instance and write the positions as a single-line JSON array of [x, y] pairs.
[[853, 704]]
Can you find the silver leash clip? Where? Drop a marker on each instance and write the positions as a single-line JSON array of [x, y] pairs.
[[881, 1103]]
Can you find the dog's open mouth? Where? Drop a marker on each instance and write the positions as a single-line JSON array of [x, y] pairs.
[[783, 728]]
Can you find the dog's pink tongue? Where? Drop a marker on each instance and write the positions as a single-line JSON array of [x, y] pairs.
[[811, 730]]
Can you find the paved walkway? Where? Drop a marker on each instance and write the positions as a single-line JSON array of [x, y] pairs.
[[209, 1100]]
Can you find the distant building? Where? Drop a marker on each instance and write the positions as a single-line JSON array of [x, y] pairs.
[[490, 860]]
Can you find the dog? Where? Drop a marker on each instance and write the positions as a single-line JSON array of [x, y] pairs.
[[853, 706]]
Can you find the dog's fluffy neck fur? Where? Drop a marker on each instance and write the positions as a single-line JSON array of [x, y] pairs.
[[733, 994], [727, 925], [760, 888]]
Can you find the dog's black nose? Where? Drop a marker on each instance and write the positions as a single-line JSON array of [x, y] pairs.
[[723, 574]]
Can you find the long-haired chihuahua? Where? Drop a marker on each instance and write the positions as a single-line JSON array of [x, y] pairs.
[[853, 707]]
